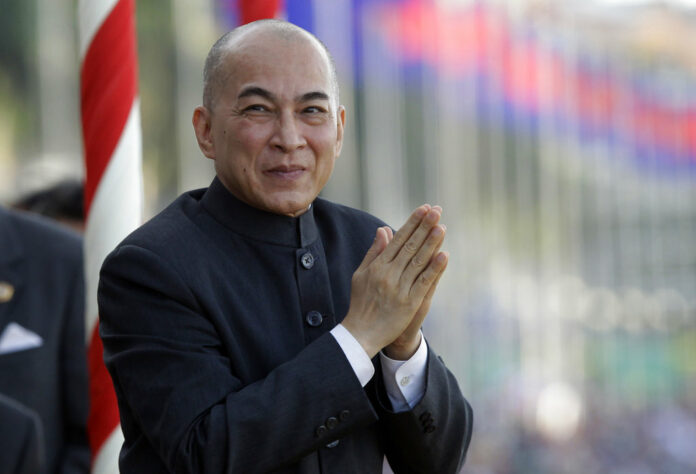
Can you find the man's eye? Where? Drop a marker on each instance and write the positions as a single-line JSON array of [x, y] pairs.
[[314, 110], [256, 108]]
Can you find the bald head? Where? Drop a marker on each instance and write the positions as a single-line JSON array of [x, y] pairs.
[[216, 72]]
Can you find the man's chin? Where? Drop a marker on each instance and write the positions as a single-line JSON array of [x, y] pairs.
[[287, 206]]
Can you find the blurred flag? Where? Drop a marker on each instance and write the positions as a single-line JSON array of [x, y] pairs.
[[113, 187], [407, 29], [240, 12]]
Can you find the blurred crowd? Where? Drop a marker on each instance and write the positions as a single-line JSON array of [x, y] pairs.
[[615, 439]]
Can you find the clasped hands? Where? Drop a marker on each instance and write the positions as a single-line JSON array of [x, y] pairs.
[[392, 289]]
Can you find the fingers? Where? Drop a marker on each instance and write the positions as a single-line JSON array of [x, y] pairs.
[[412, 253], [404, 233], [415, 250], [430, 276], [382, 238], [423, 256], [422, 312], [427, 299]]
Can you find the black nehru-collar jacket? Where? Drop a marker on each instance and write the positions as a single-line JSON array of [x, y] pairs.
[[215, 319]]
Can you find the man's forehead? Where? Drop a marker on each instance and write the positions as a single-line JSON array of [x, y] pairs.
[[275, 65], [253, 75]]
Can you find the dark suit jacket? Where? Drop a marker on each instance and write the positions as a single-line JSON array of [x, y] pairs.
[[21, 441], [219, 367], [43, 262]]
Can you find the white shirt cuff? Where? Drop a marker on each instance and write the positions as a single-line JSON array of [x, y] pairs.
[[405, 379], [356, 355]]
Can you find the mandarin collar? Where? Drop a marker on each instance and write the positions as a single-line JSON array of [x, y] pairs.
[[260, 225]]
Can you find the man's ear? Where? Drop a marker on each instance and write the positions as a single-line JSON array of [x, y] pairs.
[[202, 121], [341, 123]]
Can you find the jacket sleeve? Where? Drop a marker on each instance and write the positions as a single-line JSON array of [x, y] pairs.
[[178, 388], [434, 436], [21, 439]]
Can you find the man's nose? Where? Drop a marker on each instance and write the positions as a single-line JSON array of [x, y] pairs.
[[287, 136]]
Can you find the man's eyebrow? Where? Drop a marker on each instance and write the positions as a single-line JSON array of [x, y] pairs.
[[255, 90], [310, 96]]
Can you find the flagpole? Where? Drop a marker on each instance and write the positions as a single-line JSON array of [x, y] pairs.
[[113, 185]]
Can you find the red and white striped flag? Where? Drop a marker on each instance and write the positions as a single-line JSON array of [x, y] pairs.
[[113, 185]]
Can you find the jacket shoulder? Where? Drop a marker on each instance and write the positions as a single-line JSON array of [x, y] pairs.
[[345, 216], [40, 237], [169, 228]]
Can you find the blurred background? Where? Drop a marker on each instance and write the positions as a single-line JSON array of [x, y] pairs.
[[560, 138]]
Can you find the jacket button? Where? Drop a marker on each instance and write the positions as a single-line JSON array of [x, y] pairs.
[[314, 318], [331, 422], [307, 260], [321, 431], [332, 444], [344, 415]]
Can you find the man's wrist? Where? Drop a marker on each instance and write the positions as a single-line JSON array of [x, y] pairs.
[[404, 380], [356, 355], [370, 348], [399, 350]]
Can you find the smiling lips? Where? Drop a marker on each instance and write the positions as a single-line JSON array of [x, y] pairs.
[[285, 172]]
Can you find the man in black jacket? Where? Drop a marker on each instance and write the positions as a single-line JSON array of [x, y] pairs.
[[253, 327], [42, 337]]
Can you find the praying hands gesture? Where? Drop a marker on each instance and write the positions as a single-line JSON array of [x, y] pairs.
[[392, 289]]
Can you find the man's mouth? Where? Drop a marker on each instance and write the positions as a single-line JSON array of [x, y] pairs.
[[285, 172]]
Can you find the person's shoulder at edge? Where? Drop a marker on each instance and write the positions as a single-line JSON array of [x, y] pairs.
[[44, 238]]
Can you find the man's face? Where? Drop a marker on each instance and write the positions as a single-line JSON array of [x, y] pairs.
[[274, 129]]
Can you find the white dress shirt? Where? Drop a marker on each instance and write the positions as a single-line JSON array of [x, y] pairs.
[[404, 380]]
